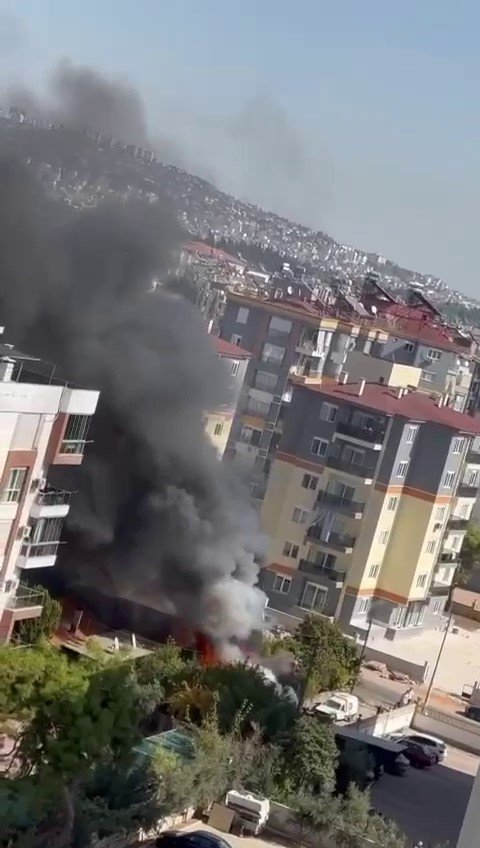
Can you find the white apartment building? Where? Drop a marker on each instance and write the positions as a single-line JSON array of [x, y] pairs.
[[41, 424]]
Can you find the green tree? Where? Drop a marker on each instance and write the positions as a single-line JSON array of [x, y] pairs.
[[327, 659], [309, 758], [469, 555], [33, 630]]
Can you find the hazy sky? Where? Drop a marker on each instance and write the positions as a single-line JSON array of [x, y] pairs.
[[369, 108]]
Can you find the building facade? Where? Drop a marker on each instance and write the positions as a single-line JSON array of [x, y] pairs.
[[41, 425], [367, 503], [218, 422]]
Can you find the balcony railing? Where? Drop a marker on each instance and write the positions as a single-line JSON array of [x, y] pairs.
[[73, 446], [439, 588], [25, 597], [39, 549], [372, 435], [456, 522], [337, 541], [448, 558], [464, 490], [355, 468], [53, 497], [340, 504], [473, 457], [311, 567]]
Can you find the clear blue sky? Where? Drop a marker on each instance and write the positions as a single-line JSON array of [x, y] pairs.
[[383, 97]]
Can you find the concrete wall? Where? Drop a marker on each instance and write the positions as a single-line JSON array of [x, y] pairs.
[[416, 671], [457, 731], [362, 366], [391, 721]]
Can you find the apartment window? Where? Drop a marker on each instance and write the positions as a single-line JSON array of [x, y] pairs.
[[272, 353], [402, 469], [236, 340], [325, 561], [449, 479], [374, 570], [234, 368], [266, 380], [258, 407], [218, 430], [440, 513], [14, 487], [75, 434], [431, 545], [409, 346], [411, 433], [427, 376], [456, 543], [353, 455], [392, 503], [328, 412], [47, 530], [363, 606], [282, 584], [309, 481], [250, 436], [290, 550], [300, 515], [422, 579], [465, 511], [437, 607], [280, 325], [472, 478], [242, 315], [319, 447], [433, 355], [457, 445], [314, 597], [383, 537]]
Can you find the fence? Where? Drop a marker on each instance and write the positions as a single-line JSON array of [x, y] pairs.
[[456, 730], [416, 671], [390, 721]]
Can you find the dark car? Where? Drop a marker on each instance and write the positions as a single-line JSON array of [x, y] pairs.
[[419, 756], [190, 839]]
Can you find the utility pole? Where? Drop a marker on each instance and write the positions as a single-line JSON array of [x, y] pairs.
[[442, 645], [364, 648], [308, 674]]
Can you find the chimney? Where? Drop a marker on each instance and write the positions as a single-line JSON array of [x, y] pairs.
[[400, 392], [440, 401], [6, 369], [344, 378], [361, 388]]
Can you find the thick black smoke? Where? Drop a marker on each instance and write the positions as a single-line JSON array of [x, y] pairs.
[[157, 518]]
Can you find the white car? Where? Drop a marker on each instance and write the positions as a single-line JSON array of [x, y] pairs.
[[431, 743]]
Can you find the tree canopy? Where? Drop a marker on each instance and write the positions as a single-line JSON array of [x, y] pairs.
[[469, 555], [327, 659], [33, 630]]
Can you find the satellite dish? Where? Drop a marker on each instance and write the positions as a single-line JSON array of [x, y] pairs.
[[374, 309], [290, 290]]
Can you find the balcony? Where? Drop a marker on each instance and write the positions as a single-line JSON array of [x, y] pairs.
[[73, 447], [26, 599], [340, 542], [334, 574], [354, 509], [38, 555], [308, 345], [51, 503], [448, 558], [355, 468], [456, 522], [439, 589], [464, 490], [369, 435], [473, 457]]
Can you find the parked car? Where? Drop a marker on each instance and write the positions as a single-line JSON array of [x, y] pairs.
[[341, 706], [431, 743], [418, 756], [190, 839]]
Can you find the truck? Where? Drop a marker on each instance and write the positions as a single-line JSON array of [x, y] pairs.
[[340, 706], [472, 694]]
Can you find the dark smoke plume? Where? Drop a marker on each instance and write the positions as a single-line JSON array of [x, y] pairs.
[[157, 518]]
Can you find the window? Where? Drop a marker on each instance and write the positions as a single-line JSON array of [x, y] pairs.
[[440, 513], [392, 503], [74, 438], [472, 478], [431, 544], [258, 407], [353, 455], [325, 561], [433, 355], [14, 486], [409, 346], [374, 570], [437, 607], [328, 412], [465, 511], [314, 597], [300, 515], [266, 381], [422, 579], [402, 469], [236, 340], [290, 550], [218, 430], [449, 479], [363, 606], [272, 353], [242, 315], [250, 436], [319, 447], [383, 537], [456, 543], [411, 433], [309, 481], [457, 445], [280, 325], [235, 367], [426, 376], [282, 584]]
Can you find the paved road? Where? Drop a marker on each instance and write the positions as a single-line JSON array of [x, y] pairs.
[[429, 804]]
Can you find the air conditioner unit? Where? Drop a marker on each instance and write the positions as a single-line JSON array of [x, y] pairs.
[[25, 533]]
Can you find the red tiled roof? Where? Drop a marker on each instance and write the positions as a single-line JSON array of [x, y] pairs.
[[228, 349], [212, 252], [414, 405], [416, 323], [466, 597]]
